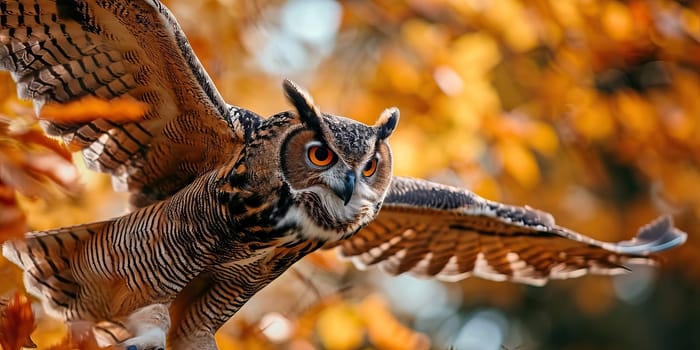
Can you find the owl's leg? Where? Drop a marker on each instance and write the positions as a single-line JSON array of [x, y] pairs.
[[202, 309], [147, 326]]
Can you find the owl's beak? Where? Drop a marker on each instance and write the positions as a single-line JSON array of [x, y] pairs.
[[348, 187]]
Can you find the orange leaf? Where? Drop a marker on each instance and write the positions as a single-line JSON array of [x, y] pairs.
[[16, 322], [327, 260], [29, 159], [339, 327], [36, 136], [80, 337], [13, 222], [386, 331], [519, 163], [27, 171], [120, 109]]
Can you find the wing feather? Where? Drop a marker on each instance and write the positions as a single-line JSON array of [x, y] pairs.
[[430, 229], [62, 51]]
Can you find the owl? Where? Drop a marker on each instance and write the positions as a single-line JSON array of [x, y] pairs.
[[225, 200]]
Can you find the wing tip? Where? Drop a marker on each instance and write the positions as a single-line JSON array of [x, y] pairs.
[[658, 235]]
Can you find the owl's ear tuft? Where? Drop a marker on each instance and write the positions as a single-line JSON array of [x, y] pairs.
[[302, 101], [387, 122]]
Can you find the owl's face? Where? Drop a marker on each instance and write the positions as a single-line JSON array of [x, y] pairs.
[[338, 169]]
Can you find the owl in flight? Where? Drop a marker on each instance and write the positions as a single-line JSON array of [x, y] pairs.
[[225, 200]]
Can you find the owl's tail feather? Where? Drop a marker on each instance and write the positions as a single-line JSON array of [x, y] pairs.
[[46, 258]]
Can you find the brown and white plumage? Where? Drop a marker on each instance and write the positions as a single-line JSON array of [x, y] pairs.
[[225, 201], [430, 230], [60, 51]]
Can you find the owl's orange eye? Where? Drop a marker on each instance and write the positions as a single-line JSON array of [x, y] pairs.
[[320, 156], [370, 168]]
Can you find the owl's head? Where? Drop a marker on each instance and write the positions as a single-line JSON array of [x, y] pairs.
[[338, 169]]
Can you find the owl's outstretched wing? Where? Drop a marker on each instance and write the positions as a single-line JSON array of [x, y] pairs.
[[63, 51], [450, 233]]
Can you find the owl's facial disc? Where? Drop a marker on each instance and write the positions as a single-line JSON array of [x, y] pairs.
[[338, 169], [337, 189], [320, 157]]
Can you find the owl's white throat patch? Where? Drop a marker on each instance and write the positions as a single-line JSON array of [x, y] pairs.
[[357, 213]]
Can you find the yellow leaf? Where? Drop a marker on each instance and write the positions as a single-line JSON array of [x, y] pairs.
[[617, 21], [34, 136], [403, 75], [543, 138], [474, 54], [636, 114], [691, 22], [519, 163], [339, 328], [385, 331], [566, 12], [487, 187], [594, 122], [424, 37]]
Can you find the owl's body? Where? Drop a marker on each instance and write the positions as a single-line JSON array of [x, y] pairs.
[[234, 228], [225, 201]]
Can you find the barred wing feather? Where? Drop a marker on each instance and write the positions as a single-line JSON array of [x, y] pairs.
[[430, 229], [60, 51]]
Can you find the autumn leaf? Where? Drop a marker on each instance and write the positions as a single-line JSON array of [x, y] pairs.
[[519, 163], [16, 322], [386, 331], [119, 109], [80, 336], [29, 160], [29, 172], [340, 327], [13, 221], [30, 163], [327, 260]]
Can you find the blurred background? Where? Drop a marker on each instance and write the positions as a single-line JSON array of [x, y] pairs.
[[588, 109]]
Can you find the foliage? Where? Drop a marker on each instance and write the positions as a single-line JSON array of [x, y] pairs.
[[16, 322], [587, 109]]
